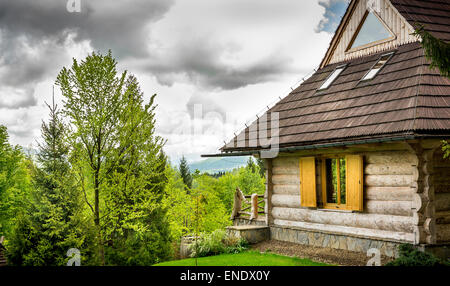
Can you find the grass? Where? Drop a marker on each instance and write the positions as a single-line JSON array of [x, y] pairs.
[[249, 258]]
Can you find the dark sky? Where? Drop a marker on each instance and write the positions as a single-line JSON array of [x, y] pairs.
[[213, 64]]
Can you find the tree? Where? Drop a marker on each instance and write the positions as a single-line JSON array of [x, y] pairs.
[[135, 222], [436, 50], [179, 204], [93, 102], [53, 223], [15, 183], [185, 173], [117, 158], [262, 168], [251, 164], [211, 213]]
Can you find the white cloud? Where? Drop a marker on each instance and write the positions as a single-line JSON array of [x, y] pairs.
[[232, 56]]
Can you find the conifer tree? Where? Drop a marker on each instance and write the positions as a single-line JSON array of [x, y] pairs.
[[251, 164], [52, 224], [185, 173], [436, 50]]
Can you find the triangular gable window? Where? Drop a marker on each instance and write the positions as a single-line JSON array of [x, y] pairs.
[[372, 31]]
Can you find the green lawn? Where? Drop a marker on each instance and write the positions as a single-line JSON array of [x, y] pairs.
[[249, 258]]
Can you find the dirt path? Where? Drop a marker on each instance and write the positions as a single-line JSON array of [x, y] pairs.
[[325, 255]]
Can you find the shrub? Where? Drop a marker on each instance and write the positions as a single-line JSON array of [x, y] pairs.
[[410, 256], [218, 242]]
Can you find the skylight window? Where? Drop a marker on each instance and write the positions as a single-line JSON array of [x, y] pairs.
[[377, 67], [332, 77], [371, 31]]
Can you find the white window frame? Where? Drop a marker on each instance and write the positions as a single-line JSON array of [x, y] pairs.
[[364, 79], [343, 67]]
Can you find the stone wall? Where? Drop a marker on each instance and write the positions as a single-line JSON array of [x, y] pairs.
[[336, 241]]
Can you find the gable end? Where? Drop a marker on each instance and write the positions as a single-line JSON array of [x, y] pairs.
[[351, 24]]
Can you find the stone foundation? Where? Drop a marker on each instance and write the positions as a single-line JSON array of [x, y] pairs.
[[338, 241], [389, 249]]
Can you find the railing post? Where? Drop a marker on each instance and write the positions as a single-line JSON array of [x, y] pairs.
[[237, 204], [254, 211]]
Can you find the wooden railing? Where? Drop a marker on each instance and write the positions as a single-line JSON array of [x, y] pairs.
[[248, 206]]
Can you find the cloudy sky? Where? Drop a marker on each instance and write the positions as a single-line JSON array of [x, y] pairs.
[[214, 64]]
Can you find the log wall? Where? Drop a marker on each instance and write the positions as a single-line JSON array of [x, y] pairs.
[[441, 171], [388, 199], [406, 195]]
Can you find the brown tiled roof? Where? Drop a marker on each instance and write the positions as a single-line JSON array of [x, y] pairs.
[[433, 14], [405, 98]]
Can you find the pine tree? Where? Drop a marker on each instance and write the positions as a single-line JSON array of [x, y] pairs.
[[251, 165], [185, 173], [436, 50], [262, 168], [53, 222]]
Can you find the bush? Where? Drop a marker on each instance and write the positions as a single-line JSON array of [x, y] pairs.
[[218, 242], [410, 256]]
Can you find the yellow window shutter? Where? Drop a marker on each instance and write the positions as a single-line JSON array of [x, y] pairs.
[[308, 182], [354, 182]]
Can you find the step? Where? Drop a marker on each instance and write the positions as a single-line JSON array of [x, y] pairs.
[[251, 233]]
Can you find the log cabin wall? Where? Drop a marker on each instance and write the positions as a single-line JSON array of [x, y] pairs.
[[442, 197], [406, 200], [388, 199]]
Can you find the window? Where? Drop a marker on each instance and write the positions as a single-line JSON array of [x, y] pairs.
[[341, 180], [371, 31], [332, 77], [334, 182], [377, 67], [334, 179]]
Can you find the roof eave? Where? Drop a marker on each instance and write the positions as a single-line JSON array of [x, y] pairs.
[[325, 145]]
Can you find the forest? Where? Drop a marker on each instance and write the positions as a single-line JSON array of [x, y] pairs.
[[101, 182]]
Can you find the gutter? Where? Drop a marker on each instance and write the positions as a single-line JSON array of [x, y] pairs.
[[311, 147]]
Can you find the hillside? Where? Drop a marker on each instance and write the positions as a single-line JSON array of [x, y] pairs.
[[215, 165]]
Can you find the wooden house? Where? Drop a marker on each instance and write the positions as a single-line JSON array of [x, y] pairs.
[[358, 161]]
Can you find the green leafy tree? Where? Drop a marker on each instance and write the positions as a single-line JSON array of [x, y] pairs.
[[250, 181], [210, 210], [135, 222], [185, 173], [93, 102], [15, 183], [53, 222], [117, 158], [251, 164], [200, 211], [180, 205], [262, 168]]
